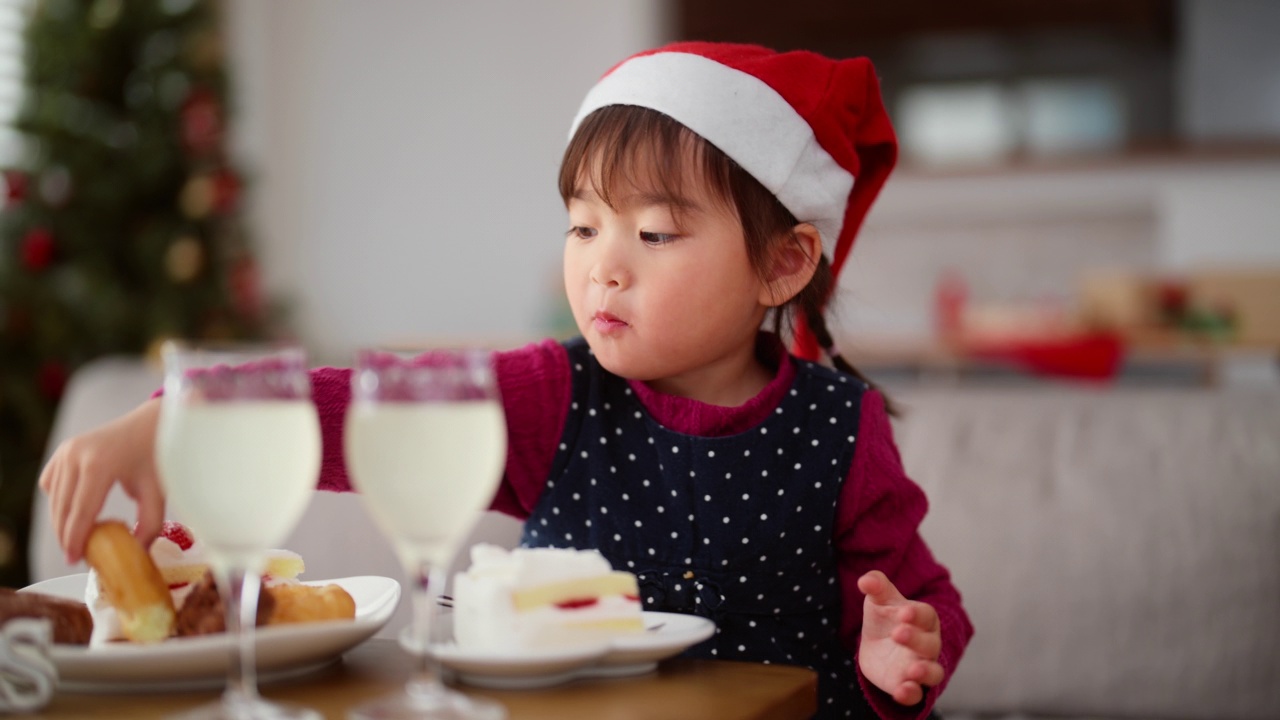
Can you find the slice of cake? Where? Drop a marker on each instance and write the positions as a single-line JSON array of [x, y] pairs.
[[539, 598]]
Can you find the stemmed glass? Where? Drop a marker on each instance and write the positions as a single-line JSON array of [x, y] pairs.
[[238, 451], [425, 442]]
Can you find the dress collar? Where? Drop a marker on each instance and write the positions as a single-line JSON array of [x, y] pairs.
[[692, 417]]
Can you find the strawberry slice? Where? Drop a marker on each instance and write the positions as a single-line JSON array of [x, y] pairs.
[[178, 534]]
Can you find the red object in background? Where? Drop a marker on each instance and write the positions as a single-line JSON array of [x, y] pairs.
[[37, 249], [15, 187], [949, 298], [226, 191], [246, 288], [1087, 356], [1172, 298], [52, 379], [201, 122]]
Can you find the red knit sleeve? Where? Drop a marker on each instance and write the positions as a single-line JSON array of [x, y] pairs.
[[877, 528], [535, 386], [534, 383], [331, 392]]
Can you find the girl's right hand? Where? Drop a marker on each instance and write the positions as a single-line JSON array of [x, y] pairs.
[[83, 469]]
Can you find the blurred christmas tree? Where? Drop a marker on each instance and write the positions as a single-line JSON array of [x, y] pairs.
[[120, 224]]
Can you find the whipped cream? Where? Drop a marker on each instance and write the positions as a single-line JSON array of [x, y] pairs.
[[522, 567], [532, 599]]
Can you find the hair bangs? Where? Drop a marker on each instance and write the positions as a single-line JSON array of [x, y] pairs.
[[621, 150]]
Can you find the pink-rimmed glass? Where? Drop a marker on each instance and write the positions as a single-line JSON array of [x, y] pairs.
[[425, 442]]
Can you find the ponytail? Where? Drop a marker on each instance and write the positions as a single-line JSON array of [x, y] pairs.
[[809, 303]]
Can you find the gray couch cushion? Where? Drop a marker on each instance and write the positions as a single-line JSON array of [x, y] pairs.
[[1118, 551]]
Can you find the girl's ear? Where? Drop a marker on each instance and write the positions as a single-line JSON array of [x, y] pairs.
[[792, 263]]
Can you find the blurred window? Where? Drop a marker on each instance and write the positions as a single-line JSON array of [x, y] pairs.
[[988, 81], [957, 122], [1072, 116], [967, 122]]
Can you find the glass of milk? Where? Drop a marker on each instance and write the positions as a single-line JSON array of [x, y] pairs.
[[238, 451], [426, 443]]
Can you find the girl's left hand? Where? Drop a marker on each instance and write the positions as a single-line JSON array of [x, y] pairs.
[[900, 641]]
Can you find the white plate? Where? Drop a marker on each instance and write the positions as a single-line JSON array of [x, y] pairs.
[[201, 662], [667, 634]]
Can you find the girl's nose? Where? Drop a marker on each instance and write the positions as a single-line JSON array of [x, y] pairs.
[[610, 267]]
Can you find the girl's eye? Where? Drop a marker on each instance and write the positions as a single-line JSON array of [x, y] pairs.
[[653, 238], [582, 233]]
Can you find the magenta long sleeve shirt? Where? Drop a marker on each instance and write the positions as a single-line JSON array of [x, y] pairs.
[[877, 517]]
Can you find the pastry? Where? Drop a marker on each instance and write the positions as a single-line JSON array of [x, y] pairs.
[[183, 564], [203, 612], [130, 582], [72, 624]]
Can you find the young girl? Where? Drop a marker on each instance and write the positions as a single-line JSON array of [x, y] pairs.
[[708, 187]]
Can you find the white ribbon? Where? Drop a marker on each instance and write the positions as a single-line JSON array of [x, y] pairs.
[[27, 675]]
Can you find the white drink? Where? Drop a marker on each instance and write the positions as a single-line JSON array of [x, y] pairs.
[[239, 473], [426, 469]]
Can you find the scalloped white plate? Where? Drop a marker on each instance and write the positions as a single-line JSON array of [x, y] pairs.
[[201, 662], [667, 635]]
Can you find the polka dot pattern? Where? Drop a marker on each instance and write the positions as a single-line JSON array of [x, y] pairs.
[[690, 516]]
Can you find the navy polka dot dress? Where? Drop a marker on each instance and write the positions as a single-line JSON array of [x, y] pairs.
[[736, 529]]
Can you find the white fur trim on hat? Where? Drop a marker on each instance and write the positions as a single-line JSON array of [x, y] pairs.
[[743, 117]]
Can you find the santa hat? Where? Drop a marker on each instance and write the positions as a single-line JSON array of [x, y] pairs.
[[811, 129]]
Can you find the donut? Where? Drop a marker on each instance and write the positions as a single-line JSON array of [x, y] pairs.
[[131, 582], [295, 603]]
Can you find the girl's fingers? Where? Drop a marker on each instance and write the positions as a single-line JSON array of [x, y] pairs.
[[86, 503], [63, 485], [921, 615], [908, 693], [925, 644], [926, 673], [150, 509], [876, 586]]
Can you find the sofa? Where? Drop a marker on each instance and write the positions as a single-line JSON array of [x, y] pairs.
[[1118, 549]]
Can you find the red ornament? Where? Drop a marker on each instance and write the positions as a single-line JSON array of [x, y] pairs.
[[15, 187], [226, 191], [51, 378], [201, 122], [37, 249], [246, 293]]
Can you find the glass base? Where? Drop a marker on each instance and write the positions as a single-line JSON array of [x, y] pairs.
[[230, 708], [444, 705]]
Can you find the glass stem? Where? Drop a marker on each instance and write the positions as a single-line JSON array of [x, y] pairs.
[[240, 598], [426, 682]]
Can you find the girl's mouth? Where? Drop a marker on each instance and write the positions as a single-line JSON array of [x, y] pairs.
[[607, 323]]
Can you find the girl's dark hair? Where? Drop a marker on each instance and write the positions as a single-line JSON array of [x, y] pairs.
[[618, 142]]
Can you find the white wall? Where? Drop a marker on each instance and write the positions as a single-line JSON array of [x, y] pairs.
[[403, 157]]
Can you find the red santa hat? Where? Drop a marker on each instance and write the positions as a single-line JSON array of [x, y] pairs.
[[811, 129]]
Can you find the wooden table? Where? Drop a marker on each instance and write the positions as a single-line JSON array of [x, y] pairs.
[[678, 690]]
